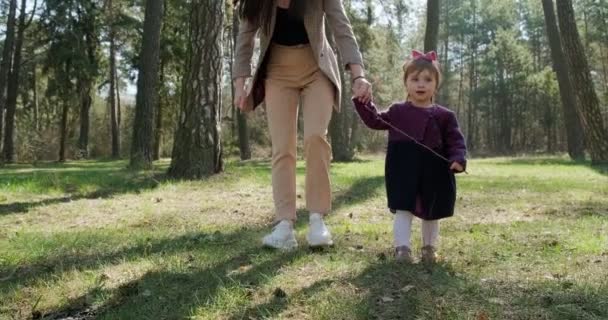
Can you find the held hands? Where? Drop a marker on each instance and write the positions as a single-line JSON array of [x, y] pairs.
[[362, 90], [456, 167], [240, 93]]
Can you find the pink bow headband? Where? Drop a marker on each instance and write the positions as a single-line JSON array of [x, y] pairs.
[[430, 56]]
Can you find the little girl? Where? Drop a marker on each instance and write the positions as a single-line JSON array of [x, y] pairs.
[[419, 182]]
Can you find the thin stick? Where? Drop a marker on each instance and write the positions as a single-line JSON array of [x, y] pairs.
[[410, 137]]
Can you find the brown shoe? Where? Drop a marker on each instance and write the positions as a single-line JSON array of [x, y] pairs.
[[403, 254], [429, 254]]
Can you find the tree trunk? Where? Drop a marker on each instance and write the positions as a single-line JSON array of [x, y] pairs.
[[234, 132], [574, 131], [36, 104], [241, 119], [84, 92], [197, 150], [114, 127], [147, 84], [339, 124], [12, 90], [7, 60], [64, 129], [471, 110], [445, 90], [85, 88], [118, 107], [588, 102], [432, 25], [159, 114]]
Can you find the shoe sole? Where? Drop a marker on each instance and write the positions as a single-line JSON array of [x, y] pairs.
[[321, 243], [290, 245]]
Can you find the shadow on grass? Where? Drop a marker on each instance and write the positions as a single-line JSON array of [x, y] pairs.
[[104, 184], [55, 264], [360, 191], [160, 293], [599, 168], [384, 290], [390, 290], [186, 289], [77, 180], [581, 208]]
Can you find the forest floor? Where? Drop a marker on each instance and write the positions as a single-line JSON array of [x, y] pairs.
[[93, 240]]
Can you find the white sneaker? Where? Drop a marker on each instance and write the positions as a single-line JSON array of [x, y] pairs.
[[318, 235], [282, 237]]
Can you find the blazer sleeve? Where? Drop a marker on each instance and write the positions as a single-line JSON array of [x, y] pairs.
[[456, 149], [371, 117], [343, 32], [245, 43]]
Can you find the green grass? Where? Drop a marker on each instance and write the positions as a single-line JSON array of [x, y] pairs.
[[93, 240]]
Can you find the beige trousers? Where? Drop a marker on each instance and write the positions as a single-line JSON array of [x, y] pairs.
[[293, 78]]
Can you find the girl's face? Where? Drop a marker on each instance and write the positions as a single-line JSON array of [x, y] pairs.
[[421, 87]]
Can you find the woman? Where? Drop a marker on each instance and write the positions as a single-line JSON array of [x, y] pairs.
[[297, 66]]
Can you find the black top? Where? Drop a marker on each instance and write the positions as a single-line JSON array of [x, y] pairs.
[[288, 30]]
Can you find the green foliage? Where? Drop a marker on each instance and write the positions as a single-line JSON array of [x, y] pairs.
[[68, 26], [496, 53]]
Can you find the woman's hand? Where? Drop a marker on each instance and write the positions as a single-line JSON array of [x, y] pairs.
[[362, 89], [240, 93], [456, 167]]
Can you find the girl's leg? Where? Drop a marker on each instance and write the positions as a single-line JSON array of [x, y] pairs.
[[430, 232], [402, 228]]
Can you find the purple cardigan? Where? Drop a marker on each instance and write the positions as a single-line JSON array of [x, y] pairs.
[[445, 136]]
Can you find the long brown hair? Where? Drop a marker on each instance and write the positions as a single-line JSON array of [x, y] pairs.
[[260, 11]]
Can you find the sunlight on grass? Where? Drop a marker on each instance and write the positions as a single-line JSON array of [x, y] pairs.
[[529, 240]]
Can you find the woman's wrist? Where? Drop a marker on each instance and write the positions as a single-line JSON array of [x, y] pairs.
[[356, 78], [356, 71], [240, 82]]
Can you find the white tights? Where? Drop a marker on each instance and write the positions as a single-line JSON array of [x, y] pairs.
[[402, 229]]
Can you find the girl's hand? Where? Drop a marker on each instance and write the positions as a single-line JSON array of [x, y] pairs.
[[456, 167], [240, 93], [362, 89]]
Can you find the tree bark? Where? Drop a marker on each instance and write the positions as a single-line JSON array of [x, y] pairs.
[[35, 102], [64, 129], [197, 151], [432, 25], [158, 131], [587, 100], [13, 89], [339, 124], [85, 87], [114, 122], [7, 60], [118, 105], [84, 92], [147, 88], [574, 131], [471, 110], [445, 90]]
